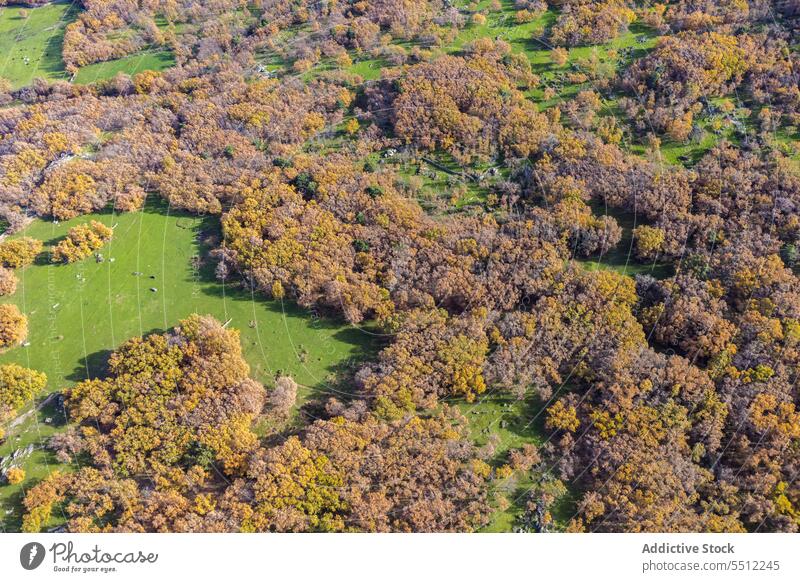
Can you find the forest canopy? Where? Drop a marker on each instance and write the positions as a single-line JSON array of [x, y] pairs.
[[570, 229]]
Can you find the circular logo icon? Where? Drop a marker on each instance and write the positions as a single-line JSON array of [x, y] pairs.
[[31, 555]]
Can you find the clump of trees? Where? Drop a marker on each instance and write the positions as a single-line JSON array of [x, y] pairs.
[[168, 446], [667, 84], [469, 108], [68, 191], [81, 241], [189, 388]]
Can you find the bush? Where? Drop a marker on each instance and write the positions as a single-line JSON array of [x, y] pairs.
[[478, 19], [523, 16], [559, 56], [15, 475]]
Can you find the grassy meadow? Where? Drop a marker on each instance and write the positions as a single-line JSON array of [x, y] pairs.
[[31, 41], [156, 60]]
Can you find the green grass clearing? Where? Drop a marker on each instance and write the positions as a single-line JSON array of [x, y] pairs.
[[30, 47], [621, 258], [130, 65], [511, 423]]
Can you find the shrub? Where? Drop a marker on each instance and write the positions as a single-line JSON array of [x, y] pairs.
[[15, 475], [559, 56]]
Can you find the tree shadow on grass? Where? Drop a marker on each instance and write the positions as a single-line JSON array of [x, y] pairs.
[[12, 522], [53, 412], [51, 62], [93, 365]]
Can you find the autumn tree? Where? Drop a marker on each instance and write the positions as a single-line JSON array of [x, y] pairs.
[[19, 252], [17, 386], [8, 281], [649, 241], [283, 397], [13, 326]]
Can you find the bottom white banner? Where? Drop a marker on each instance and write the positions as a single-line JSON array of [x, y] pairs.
[[355, 557]]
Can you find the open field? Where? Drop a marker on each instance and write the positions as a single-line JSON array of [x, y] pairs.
[[30, 46]]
